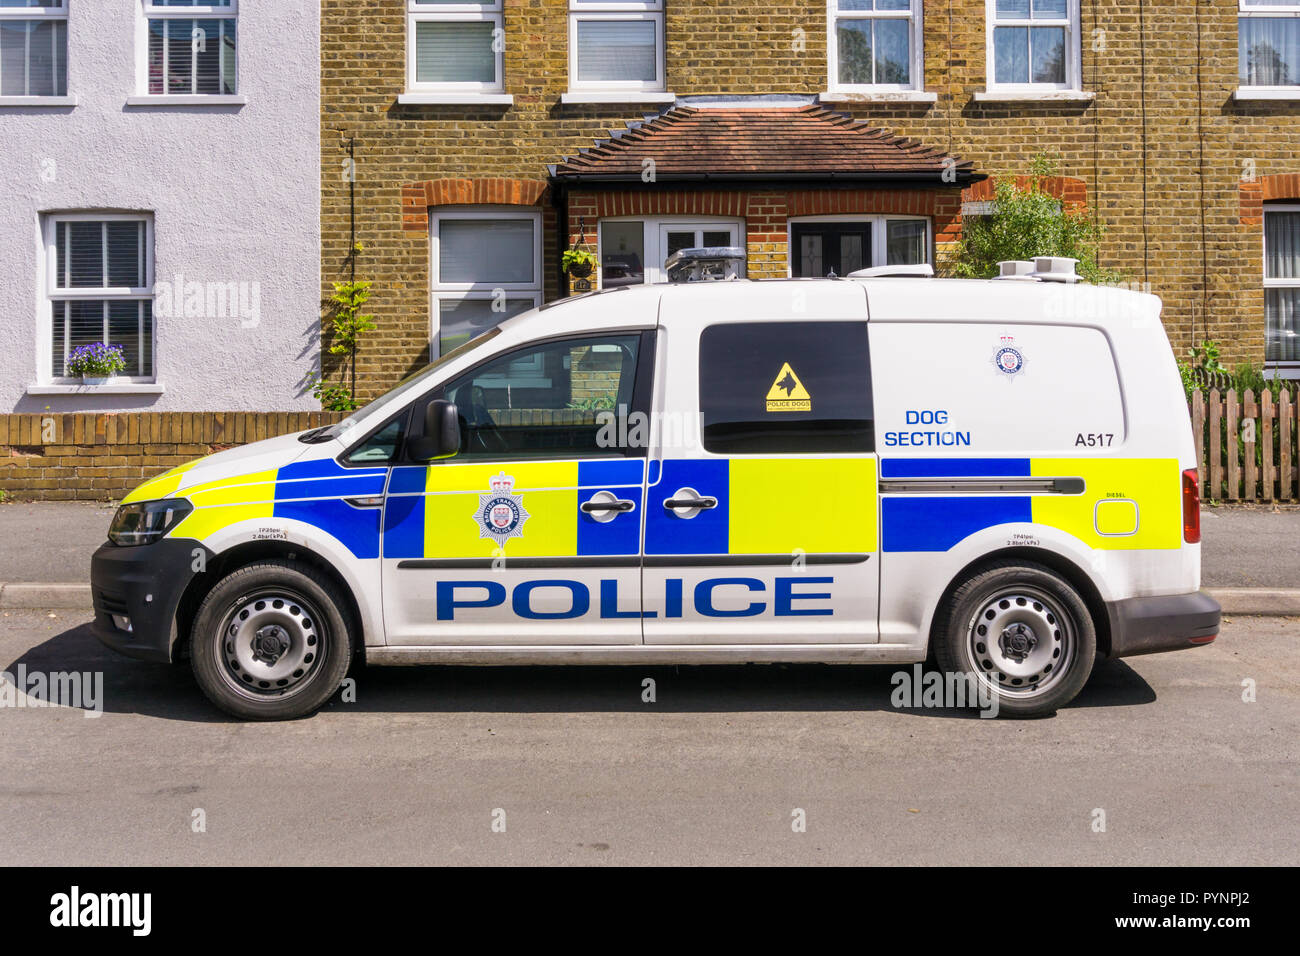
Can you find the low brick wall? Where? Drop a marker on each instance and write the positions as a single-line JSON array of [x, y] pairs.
[[101, 456]]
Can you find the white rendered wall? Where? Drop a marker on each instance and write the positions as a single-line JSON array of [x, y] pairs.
[[234, 192]]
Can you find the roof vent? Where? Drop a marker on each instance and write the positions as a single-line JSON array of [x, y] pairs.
[[705, 262], [1015, 269], [1055, 269], [922, 270]]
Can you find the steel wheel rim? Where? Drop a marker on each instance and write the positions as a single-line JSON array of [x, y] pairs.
[[1021, 642], [270, 644]]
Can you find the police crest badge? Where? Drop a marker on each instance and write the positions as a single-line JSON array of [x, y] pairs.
[[500, 514]]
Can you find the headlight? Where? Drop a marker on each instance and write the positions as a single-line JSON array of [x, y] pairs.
[[144, 522]]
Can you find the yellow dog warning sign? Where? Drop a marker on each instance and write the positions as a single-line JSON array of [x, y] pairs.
[[787, 393]]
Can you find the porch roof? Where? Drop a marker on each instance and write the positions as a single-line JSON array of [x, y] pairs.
[[797, 144]]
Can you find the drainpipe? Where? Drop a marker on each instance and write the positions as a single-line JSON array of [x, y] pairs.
[[559, 199]]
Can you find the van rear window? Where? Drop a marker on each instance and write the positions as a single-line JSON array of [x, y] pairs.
[[782, 387]]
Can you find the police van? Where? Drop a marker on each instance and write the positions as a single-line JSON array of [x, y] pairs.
[[876, 469]]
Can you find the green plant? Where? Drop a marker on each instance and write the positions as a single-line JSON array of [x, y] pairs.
[[1203, 370], [98, 359], [577, 257], [1026, 221], [1206, 355], [333, 396], [350, 324], [1188, 375], [594, 402]]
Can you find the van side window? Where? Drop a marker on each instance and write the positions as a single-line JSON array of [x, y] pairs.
[[779, 387], [381, 447], [547, 400]]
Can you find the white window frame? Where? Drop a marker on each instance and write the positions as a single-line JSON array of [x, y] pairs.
[[39, 13], [1288, 368], [454, 13], [1073, 50], [916, 46], [53, 294], [586, 11], [458, 291], [1251, 9], [652, 238], [151, 11], [879, 235]]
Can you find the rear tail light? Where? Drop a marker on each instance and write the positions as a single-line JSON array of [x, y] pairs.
[[1191, 506]]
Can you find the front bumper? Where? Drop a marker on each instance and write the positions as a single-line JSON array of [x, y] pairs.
[[143, 584], [1170, 622]]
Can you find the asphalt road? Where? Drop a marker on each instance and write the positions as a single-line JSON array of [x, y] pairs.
[[51, 542], [587, 773]]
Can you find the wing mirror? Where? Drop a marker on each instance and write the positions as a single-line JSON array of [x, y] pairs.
[[441, 432]]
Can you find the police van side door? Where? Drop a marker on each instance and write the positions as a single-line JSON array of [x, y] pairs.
[[531, 534], [761, 522]]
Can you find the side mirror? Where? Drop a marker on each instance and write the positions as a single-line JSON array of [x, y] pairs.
[[441, 432]]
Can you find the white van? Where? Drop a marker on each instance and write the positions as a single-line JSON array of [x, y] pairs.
[[856, 470]]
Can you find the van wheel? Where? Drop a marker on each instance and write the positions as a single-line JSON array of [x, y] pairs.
[[270, 642], [1023, 631]]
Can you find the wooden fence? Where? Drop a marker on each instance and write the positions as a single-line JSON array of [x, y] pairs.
[[1246, 446]]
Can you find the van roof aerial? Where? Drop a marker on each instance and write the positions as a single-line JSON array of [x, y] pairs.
[[919, 270], [1043, 268]]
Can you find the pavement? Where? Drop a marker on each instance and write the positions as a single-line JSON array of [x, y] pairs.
[[1159, 761], [1250, 555]]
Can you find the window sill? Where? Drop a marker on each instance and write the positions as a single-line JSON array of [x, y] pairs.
[[1266, 93], [38, 101], [186, 100], [619, 96], [454, 99], [1033, 96], [878, 96], [116, 388]]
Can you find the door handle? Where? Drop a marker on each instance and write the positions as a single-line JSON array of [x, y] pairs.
[[687, 503], [606, 506], [592, 507]]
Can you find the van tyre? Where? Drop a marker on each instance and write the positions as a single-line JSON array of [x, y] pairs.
[[1024, 631], [271, 641]]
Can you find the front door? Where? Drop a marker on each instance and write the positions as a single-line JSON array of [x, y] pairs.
[[532, 533], [822, 248], [761, 526]]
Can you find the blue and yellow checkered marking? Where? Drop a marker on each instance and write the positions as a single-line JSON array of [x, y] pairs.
[[937, 523], [311, 492], [767, 506], [430, 511]]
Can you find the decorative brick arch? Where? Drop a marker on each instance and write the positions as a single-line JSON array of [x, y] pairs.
[[1069, 189], [418, 197], [1253, 195]]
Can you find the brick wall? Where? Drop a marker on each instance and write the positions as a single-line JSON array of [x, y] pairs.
[[1162, 150], [103, 456]]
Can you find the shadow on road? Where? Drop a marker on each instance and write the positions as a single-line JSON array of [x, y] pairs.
[[169, 691]]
